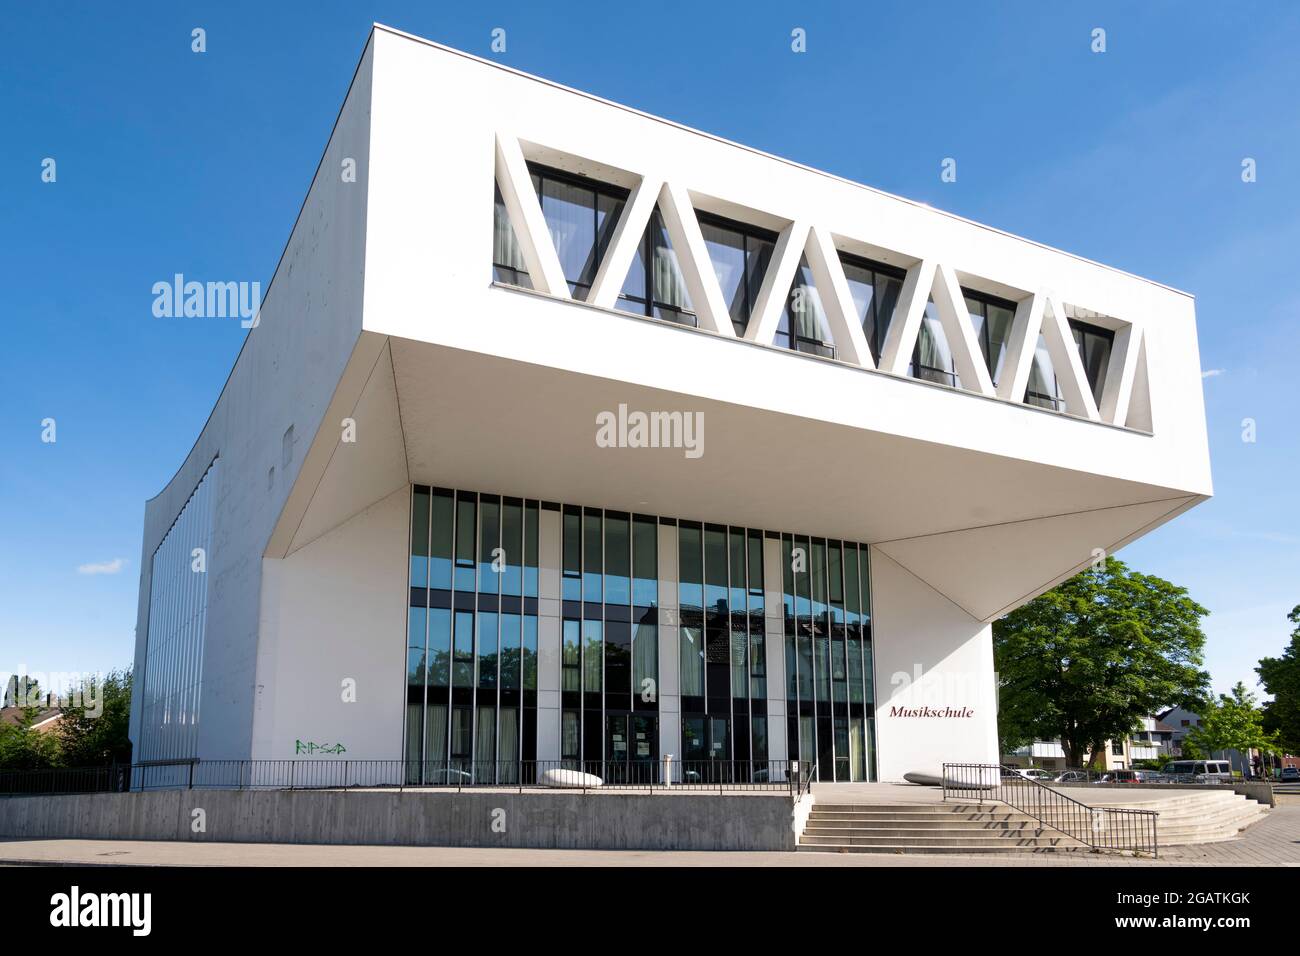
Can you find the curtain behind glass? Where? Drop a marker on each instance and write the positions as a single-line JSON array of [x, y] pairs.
[[435, 750], [666, 273], [645, 659], [509, 746], [505, 245], [692, 655], [484, 743]]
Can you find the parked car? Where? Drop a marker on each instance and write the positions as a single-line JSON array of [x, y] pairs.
[[1129, 776], [1033, 773], [1201, 771], [1073, 776], [1290, 775]]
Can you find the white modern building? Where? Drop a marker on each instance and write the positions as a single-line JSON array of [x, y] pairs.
[[568, 432]]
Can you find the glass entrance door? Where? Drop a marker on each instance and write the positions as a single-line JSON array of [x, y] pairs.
[[631, 748], [706, 749]]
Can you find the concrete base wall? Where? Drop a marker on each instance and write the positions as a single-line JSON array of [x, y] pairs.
[[530, 820]]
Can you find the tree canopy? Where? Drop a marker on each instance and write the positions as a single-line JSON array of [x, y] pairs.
[[1233, 723], [1085, 661], [1281, 678]]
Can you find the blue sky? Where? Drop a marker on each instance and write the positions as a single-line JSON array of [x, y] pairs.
[[170, 161]]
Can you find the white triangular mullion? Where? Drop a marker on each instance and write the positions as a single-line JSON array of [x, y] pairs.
[[1067, 363], [622, 247], [1021, 346], [693, 259], [772, 294], [836, 299], [535, 245], [905, 324], [969, 360], [1120, 373]]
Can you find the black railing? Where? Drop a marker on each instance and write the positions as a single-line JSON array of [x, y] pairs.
[[340, 773], [1101, 828]]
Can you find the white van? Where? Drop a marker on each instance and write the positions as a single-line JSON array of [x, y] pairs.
[[1201, 771]]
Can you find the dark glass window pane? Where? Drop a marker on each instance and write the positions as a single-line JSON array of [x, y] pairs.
[[510, 651], [998, 333], [465, 531], [462, 670], [618, 665], [618, 588], [571, 659], [758, 253], [727, 253], [572, 555], [488, 656], [1094, 349], [888, 289], [507, 258], [420, 537], [634, 285], [757, 665], [692, 657], [570, 213], [439, 646], [668, 286], [690, 567], [489, 558], [804, 318], [440, 552], [932, 359], [739, 662], [853, 591], [592, 568], [645, 562], [715, 569], [645, 663], [512, 543], [756, 596], [528, 655], [592, 657], [862, 286]]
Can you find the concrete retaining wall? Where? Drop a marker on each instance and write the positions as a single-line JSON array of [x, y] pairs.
[[603, 821]]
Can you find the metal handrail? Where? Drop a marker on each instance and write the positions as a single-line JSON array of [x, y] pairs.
[[1101, 828], [340, 773]]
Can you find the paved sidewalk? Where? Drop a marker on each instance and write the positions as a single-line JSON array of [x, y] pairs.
[[1274, 841]]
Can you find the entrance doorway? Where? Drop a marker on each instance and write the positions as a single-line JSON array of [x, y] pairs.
[[631, 748]]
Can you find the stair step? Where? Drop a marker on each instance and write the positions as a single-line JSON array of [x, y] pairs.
[[905, 848]]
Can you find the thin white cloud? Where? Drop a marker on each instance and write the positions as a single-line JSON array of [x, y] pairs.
[[1213, 372], [103, 567]]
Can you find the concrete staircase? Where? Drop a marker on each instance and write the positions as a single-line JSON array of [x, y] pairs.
[[928, 828], [1196, 817], [1199, 816]]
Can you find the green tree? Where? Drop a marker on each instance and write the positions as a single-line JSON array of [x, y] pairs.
[[96, 715], [1233, 723], [1281, 679], [1085, 661]]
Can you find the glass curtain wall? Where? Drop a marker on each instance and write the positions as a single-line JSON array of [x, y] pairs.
[[471, 711], [610, 645], [472, 645], [829, 695]]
